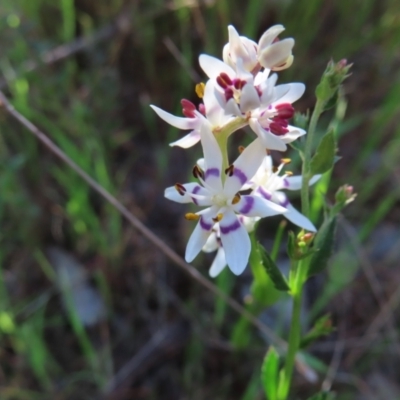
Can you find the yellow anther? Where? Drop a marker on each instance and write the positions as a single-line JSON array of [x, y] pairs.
[[286, 160], [241, 149], [236, 199], [192, 217], [288, 173], [200, 89], [218, 217]]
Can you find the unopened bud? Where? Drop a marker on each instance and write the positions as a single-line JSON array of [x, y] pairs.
[[345, 194]]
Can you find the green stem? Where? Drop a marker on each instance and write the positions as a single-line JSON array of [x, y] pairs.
[[305, 198], [295, 332]]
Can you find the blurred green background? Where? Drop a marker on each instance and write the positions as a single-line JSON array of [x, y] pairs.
[[89, 309]]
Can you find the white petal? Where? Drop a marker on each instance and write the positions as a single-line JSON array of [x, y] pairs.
[[218, 264], [200, 234], [187, 141], [296, 90], [213, 67], [279, 92], [299, 219], [254, 206], [295, 182], [178, 122], [292, 214], [249, 99], [268, 90], [244, 167], [212, 158], [232, 108], [213, 103], [269, 140], [242, 73], [293, 134], [269, 36], [191, 188], [261, 77], [212, 243], [314, 179], [236, 242], [276, 54]]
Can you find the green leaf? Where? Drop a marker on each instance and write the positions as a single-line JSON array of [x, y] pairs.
[[322, 327], [269, 373], [324, 156], [277, 278], [323, 242]]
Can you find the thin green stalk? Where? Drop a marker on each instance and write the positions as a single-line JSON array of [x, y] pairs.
[[305, 197], [295, 332]]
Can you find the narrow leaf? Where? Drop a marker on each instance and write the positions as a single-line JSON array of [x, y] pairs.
[[322, 327], [277, 278], [269, 373], [323, 242], [324, 156]]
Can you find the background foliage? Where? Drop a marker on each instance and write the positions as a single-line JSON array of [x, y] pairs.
[[88, 308]]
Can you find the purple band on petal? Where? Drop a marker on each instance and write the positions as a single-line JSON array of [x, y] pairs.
[[196, 190], [248, 205], [240, 175], [285, 183], [285, 202], [207, 227], [211, 172], [264, 194], [230, 228]]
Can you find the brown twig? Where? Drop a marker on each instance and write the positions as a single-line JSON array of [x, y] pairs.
[[135, 222]]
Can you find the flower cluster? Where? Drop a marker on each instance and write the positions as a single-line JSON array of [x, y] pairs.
[[241, 91]]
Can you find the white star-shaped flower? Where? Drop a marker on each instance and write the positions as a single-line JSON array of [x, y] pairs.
[[224, 203]]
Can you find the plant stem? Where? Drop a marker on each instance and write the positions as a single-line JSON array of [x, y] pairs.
[[305, 199], [295, 333]]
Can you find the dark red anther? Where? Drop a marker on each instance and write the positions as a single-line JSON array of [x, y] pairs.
[[238, 84], [280, 121], [188, 108], [278, 128], [188, 113], [226, 78], [285, 110], [221, 82], [228, 94], [188, 105], [202, 108]]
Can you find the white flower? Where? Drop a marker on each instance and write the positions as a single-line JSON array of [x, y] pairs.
[[214, 244], [266, 107], [270, 120], [270, 53], [268, 183], [210, 112], [224, 203], [233, 88]]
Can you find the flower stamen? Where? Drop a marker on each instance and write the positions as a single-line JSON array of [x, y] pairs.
[[180, 188]]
